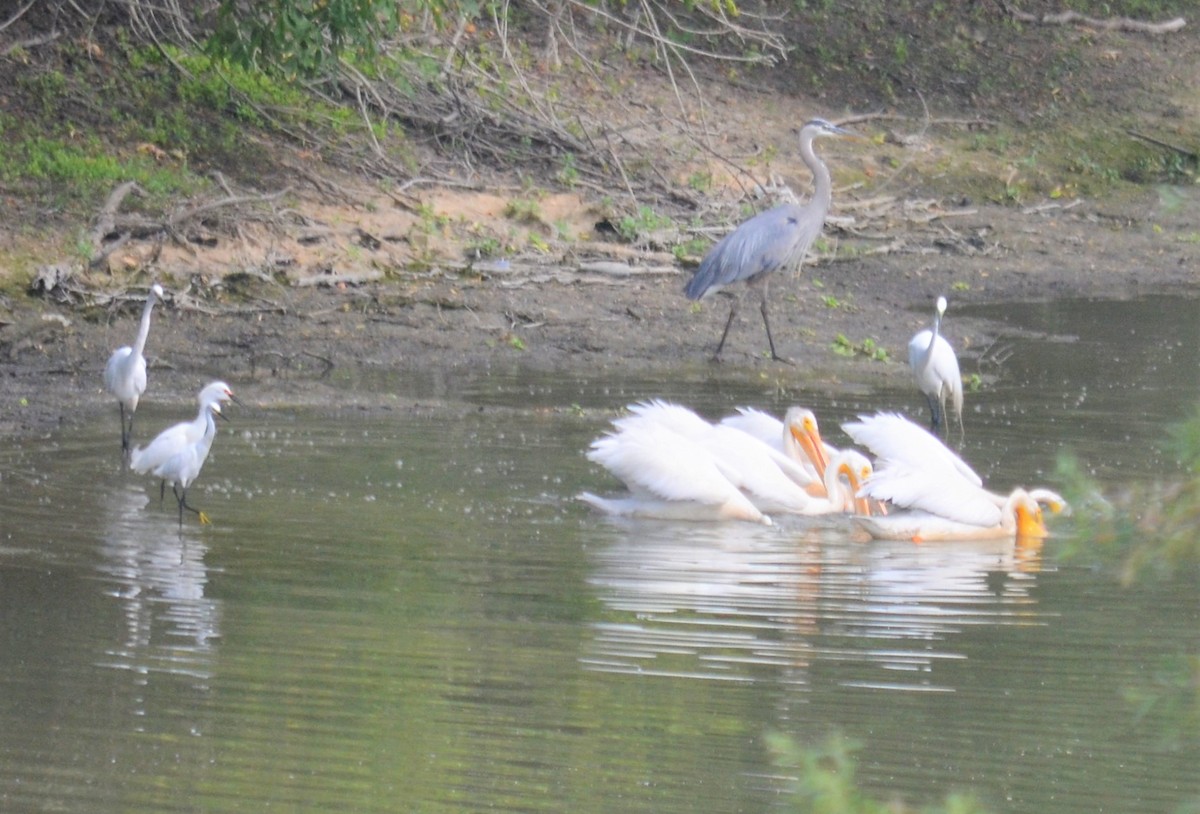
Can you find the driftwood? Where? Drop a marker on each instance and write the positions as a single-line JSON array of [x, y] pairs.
[[113, 229], [1189, 154], [1107, 24]]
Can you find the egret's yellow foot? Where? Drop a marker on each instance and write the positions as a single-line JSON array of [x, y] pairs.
[[204, 521]]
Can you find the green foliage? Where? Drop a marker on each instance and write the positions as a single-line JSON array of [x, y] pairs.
[[301, 38], [867, 348], [646, 220], [1168, 703], [824, 781], [83, 170], [1147, 531]]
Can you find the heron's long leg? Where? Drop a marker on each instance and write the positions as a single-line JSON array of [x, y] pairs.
[[766, 322], [732, 312]]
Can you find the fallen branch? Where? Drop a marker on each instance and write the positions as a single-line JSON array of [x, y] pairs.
[[1108, 24], [1190, 154]]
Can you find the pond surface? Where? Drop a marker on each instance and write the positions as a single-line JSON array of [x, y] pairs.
[[409, 612]]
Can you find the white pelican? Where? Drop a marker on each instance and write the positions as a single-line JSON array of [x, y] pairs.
[[944, 497], [935, 369], [125, 373], [666, 453], [772, 481], [797, 436], [669, 476], [178, 453]]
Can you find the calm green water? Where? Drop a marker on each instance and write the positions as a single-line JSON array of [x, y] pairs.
[[408, 612]]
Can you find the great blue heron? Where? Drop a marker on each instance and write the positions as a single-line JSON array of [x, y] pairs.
[[935, 368], [125, 373], [772, 240]]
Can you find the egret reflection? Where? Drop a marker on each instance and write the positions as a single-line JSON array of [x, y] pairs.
[[159, 576]]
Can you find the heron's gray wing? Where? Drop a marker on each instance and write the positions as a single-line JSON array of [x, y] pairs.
[[767, 242]]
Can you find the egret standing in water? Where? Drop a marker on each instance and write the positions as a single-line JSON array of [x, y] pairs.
[[776, 239], [935, 368], [125, 373], [178, 453]]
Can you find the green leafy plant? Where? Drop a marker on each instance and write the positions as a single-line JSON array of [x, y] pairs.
[[645, 220], [867, 348], [823, 781]]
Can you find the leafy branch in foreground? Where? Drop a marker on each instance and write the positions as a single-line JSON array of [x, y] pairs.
[[824, 781], [1148, 530]]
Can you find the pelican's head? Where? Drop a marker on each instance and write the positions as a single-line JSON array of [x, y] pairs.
[[801, 426], [855, 468], [1030, 524], [1053, 501]]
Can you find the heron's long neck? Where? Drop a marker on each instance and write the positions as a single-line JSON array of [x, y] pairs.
[[144, 328], [821, 178]]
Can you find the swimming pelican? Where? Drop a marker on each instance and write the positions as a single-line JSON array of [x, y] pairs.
[[178, 453], [945, 497], [935, 369], [125, 373], [669, 476], [773, 481], [680, 466], [797, 436]]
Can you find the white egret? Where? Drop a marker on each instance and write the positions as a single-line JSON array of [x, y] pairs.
[[178, 453], [125, 373], [944, 497], [935, 369]]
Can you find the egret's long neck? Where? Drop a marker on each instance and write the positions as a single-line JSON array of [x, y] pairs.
[[933, 336], [144, 327], [821, 178]]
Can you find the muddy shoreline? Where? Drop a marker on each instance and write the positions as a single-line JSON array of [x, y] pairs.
[[307, 346]]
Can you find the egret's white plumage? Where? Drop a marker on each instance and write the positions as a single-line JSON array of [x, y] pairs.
[[944, 497], [935, 369], [177, 454], [125, 373]]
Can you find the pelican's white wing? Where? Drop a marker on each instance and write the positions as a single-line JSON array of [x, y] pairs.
[[763, 426], [893, 438], [668, 466], [665, 414], [937, 491]]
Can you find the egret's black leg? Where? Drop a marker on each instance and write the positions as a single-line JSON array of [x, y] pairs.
[[181, 496], [162, 491], [732, 313], [124, 432], [935, 413]]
